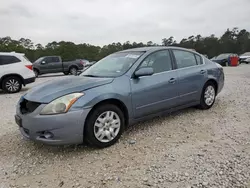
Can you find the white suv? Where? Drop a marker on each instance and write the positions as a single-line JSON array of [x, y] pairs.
[[15, 71]]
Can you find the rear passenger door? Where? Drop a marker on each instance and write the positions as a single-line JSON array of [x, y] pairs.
[[191, 75], [55, 65]]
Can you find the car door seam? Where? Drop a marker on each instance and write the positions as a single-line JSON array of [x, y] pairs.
[[140, 107]]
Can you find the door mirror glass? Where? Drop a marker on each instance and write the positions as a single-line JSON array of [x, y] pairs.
[[144, 71], [43, 62]]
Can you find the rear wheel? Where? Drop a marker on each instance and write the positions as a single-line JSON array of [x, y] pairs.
[[208, 96], [104, 126], [73, 71], [12, 84]]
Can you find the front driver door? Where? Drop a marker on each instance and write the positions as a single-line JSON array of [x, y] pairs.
[[152, 94], [44, 65]]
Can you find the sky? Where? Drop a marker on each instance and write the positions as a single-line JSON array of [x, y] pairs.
[[101, 22]]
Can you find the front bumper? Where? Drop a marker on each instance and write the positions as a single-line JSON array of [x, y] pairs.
[[63, 128]]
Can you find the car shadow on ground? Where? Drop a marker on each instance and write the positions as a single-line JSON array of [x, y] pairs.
[[24, 146]]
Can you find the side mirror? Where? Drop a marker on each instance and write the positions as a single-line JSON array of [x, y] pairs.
[[145, 71], [43, 62]]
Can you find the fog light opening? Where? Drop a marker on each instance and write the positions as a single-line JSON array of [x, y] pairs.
[[48, 135]]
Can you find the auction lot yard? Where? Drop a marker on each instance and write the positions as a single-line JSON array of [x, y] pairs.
[[189, 148]]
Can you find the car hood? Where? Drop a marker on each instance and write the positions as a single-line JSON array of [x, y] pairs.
[[49, 91]]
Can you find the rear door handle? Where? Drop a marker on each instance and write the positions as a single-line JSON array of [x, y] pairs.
[[172, 81], [203, 71]]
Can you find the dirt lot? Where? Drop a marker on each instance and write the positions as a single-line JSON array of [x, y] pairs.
[[190, 148]]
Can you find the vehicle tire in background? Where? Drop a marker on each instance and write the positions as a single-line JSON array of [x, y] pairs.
[[73, 71], [36, 72], [66, 73], [104, 126], [208, 96], [12, 84]]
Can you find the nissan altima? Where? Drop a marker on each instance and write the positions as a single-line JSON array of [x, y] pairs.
[[119, 90]]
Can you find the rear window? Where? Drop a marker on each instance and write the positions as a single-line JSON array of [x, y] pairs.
[[6, 59]]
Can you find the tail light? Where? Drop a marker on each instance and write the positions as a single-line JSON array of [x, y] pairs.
[[29, 66], [82, 62]]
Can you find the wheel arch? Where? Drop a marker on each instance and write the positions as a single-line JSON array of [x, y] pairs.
[[9, 75], [35, 68], [115, 102], [73, 66], [214, 82]]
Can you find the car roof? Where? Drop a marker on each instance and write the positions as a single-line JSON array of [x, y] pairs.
[[155, 48], [11, 53]]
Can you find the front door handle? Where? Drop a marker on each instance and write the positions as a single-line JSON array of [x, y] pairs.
[[203, 71], [172, 81]]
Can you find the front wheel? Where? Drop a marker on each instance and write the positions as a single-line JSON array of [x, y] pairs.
[[208, 96], [104, 126], [12, 84], [36, 72]]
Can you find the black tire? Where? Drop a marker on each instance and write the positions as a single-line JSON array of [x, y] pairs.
[[89, 125], [203, 105], [36, 72], [12, 84], [225, 64], [66, 73], [73, 71]]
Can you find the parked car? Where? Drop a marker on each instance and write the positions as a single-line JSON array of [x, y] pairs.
[[91, 63], [223, 59], [245, 58], [15, 71], [117, 91], [54, 64]]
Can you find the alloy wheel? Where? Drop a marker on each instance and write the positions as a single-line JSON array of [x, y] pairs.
[[209, 95], [12, 85], [107, 126]]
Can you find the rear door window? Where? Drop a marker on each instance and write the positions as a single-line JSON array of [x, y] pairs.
[[6, 59], [184, 59], [198, 59], [55, 59]]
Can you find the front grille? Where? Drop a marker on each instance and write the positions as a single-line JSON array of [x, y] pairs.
[[28, 106]]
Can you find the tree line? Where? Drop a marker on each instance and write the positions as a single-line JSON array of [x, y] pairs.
[[232, 41]]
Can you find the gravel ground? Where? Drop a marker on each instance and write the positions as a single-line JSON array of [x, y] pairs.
[[190, 148]]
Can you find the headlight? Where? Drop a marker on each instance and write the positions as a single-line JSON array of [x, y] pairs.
[[61, 105]]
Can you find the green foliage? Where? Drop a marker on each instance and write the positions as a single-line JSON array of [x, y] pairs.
[[234, 41]]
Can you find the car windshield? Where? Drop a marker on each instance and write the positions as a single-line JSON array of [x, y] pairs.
[[113, 65], [222, 56], [38, 60]]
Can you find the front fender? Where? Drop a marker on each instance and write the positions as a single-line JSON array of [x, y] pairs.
[[93, 96]]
